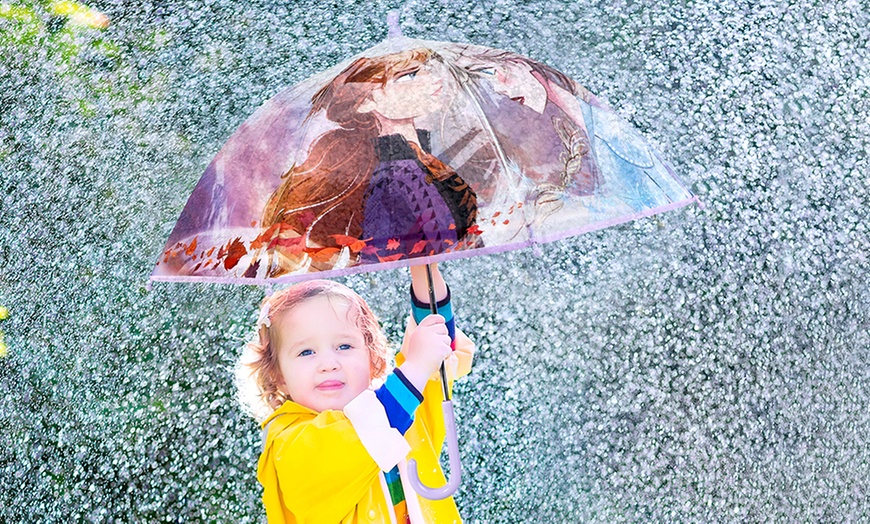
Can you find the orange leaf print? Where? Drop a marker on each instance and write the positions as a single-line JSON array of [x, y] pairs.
[[393, 244], [419, 247], [235, 251], [497, 213], [270, 234], [191, 248], [323, 254], [391, 258], [356, 245], [344, 240], [506, 222], [263, 237], [474, 230]]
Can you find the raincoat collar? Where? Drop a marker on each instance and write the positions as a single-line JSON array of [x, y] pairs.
[[288, 408]]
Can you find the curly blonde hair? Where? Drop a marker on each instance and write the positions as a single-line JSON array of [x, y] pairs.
[[257, 372]]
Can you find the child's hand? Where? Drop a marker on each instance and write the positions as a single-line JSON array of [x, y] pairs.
[[427, 347]]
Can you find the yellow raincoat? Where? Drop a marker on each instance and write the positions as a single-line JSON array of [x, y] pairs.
[[315, 470]]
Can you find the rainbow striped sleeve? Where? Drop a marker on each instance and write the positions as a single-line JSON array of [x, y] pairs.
[[420, 310], [400, 400]]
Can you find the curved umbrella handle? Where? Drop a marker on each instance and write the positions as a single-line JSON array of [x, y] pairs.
[[455, 465]]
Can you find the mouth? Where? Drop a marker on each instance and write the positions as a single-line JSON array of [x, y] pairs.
[[520, 100], [330, 385]]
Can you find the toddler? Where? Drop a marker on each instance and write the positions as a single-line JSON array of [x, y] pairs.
[[338, 427]]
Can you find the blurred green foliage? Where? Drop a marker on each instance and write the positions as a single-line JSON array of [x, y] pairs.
[[108, 407], [73, 42]]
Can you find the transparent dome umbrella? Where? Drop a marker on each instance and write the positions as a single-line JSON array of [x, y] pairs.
[[413, 152]]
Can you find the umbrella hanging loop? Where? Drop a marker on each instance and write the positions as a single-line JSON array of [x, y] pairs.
[[455, 465]]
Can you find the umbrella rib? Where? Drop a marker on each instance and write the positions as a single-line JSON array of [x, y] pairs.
[[500, 154]]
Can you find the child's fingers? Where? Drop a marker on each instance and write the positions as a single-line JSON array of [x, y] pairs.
[[444, 339], [434, 324], [432, 320]]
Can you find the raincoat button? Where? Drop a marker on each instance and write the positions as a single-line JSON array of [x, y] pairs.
[[372, 514]]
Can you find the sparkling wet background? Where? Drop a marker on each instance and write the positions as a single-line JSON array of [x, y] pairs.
[[707, 365]]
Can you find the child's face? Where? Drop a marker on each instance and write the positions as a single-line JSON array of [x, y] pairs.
[[322, 355]]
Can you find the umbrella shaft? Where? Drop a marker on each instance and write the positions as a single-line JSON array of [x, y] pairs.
[[433, 308]]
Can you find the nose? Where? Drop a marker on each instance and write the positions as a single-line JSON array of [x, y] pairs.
[[328, 361]]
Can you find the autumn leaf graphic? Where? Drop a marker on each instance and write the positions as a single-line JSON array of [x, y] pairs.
[[324, 254], [267, 236], [235, 251], [354, 244], [191, 248], [474, 230]]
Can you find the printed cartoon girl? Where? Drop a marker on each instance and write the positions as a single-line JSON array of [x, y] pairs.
[[555, 151], [370, 189], [598, 148]]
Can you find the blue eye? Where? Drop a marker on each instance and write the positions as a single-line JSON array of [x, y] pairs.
[[407, 76], [345, 347], [489, 71], [306, 352]]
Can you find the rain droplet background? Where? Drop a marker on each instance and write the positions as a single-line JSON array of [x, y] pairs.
[[704, 365]]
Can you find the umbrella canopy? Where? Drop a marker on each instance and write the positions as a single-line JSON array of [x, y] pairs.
[[413, 152]]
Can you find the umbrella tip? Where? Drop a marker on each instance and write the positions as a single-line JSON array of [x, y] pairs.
[[393, 25]]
